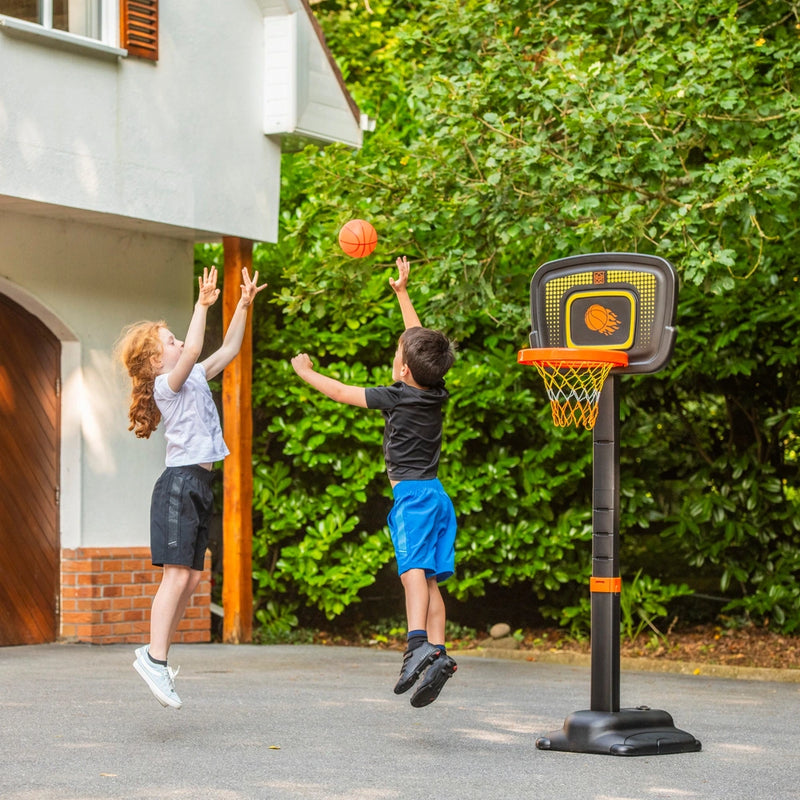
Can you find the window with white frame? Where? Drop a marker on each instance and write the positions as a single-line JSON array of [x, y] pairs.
[[129, 24], [81, 17]]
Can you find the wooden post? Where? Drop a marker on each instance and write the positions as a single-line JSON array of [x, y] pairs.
[[237, 520]]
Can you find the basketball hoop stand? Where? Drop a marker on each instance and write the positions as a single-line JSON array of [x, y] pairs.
[[595, 317], [605, 728]]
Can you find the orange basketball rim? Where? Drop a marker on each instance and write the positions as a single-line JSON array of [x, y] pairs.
[[573, 379]]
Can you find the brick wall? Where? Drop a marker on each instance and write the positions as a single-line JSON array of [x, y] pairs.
[[106, 594]]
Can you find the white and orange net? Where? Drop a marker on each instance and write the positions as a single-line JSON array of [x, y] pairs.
[[573, 379]]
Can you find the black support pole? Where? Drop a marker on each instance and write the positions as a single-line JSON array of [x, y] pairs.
[[605, 584], [605, 728]]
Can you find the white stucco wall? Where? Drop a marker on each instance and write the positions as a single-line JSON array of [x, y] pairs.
[[85, 283], [179, 142]]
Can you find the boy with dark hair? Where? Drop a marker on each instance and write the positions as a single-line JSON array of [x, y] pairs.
[[422, 520]]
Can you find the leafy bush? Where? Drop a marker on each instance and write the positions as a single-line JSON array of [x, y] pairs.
[[642, 602], [508, 136]]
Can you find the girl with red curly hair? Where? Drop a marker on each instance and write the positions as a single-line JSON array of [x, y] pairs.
[[170, 385]]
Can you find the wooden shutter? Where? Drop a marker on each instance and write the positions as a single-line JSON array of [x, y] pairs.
[[139, 28]]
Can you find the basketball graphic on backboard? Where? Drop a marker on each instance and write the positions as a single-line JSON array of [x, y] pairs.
[[601, 319]]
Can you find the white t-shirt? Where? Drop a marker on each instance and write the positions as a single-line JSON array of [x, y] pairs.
[[191, 421]]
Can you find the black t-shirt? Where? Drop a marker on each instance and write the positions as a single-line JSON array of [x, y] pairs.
[[412, 437]]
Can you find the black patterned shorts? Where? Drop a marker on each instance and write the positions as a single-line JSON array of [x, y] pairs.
[[180, 511]]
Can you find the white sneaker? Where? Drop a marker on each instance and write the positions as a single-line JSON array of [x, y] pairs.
[[161, 680]]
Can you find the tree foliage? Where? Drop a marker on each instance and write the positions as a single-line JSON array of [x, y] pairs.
[[510, 134]]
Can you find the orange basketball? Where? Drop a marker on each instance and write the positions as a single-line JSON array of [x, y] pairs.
[[358, 238], [596, 317]]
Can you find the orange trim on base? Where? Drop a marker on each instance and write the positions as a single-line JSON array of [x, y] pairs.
[[611, 585]]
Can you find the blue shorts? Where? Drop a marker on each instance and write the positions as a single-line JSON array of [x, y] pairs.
[[423, 527]]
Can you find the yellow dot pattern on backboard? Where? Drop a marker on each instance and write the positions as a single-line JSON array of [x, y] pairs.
[[643, 282], [554, 291]]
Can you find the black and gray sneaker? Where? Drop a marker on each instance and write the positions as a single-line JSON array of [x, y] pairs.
[[435, 678], [414, 662]]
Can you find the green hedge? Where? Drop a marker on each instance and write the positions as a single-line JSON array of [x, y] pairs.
[[509, 135]]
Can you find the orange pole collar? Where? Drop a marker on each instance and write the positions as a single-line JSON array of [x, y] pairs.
[[611, 585]]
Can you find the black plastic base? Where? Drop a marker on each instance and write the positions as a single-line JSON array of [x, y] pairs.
[[639, 731]]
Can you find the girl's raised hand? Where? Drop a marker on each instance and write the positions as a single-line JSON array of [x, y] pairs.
[[208, 287], [250, 287]]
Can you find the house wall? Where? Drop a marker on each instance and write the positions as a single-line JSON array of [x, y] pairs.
[[179, 142], [86, 282]]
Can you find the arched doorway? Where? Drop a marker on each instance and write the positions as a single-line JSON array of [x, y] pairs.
[[30, 368]]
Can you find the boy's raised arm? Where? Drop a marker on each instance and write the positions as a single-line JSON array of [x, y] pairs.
[[330, 387], [410, 318]]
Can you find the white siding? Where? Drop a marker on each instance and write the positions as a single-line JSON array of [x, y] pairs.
[[280, 74]]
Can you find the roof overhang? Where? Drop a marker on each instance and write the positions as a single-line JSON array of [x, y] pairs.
[[305, 97]]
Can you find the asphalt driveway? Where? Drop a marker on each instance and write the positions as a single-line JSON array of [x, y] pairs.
[[322, 723]]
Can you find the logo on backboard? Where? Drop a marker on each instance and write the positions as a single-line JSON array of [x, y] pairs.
[[601, 319]]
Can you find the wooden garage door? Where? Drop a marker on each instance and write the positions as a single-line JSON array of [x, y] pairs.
[[30, 359]]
